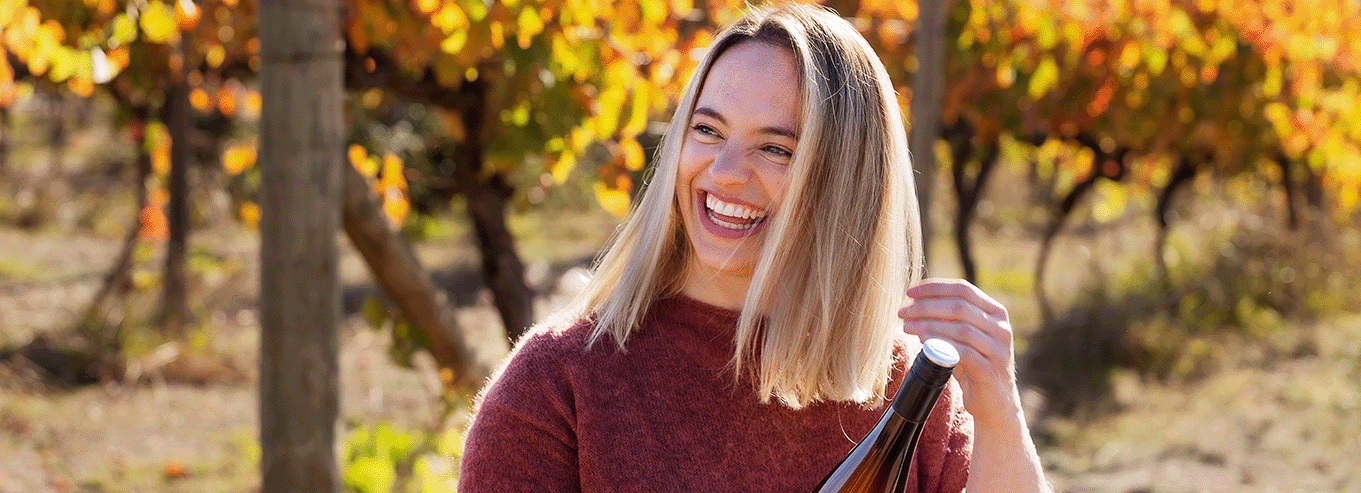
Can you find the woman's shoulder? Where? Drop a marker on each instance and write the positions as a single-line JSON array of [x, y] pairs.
[[545, 348]]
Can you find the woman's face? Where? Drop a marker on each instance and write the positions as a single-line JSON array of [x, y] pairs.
[[733, 163]]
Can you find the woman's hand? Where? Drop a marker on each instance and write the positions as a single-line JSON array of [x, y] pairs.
[[977, 326], [1004, 456]]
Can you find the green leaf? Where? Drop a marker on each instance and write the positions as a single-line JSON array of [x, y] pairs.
[[391, 443], [374, 312], [371, 474]]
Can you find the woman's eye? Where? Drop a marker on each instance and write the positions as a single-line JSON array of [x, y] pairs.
[[779, 152], [705, 129]]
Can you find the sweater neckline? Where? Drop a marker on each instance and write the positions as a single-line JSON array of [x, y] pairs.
[[683, 310]]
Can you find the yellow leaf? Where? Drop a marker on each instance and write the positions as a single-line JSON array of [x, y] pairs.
[[426, 7], [563, 167], [638, 111], [1129, 57], [614, 201], [1271, 86], [450, 19], [238, 158], [124, 30], [157, 22], [633, 154], [611, 103], [8, 9], [1110, 203], [1046, 76], [215, 55], [528, 25], [253, 104], [476, 9], [498, 35], [392, 172]]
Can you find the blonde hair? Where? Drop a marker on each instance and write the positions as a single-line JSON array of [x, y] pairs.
[[819, 318]]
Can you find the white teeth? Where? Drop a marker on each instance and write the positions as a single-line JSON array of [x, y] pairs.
[[732, 210]]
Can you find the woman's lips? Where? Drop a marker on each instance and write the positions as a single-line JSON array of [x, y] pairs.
[[729, 219]]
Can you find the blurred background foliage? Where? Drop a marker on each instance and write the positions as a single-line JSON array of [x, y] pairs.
[[1108, 112]]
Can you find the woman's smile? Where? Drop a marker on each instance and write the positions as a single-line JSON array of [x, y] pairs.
[[731, 218]]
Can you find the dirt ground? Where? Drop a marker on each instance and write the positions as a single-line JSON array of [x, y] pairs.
[[1257, 424]]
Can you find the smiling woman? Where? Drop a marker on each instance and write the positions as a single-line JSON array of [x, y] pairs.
[[742, 324]]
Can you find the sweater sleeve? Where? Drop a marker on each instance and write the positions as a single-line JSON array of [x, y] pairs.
[[522, 436]]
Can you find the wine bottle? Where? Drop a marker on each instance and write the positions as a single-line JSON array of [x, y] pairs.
[[879, 463]]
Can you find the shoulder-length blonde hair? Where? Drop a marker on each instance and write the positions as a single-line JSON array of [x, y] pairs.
[[819, 318]]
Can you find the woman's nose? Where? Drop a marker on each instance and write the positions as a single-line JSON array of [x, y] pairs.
[[729, 167]]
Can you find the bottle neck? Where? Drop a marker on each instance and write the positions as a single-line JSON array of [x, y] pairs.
[[921, 387]]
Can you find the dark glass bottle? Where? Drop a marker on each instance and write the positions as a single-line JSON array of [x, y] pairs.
[[879, 463]]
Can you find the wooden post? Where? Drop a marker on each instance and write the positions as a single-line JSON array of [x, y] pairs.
[[301, 145], [928, 89]]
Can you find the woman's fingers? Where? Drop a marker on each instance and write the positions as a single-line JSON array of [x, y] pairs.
[[959, 334], [953, 309], [957, 288]]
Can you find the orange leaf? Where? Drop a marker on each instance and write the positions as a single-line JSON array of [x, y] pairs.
[[154, 225], [358, 157], [174, 470], [198, 98], [226, 102], [249, 214], [81, 86], [186, 14]]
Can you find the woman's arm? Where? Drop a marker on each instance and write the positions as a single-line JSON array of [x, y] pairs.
[[1004, 456]]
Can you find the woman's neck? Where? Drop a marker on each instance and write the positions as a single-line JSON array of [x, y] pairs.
[[714, 287]]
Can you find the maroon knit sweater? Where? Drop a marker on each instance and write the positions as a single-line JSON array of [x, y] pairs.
[[666, 416]]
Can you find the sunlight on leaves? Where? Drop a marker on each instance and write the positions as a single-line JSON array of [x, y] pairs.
[[614, 201], [157, 22]]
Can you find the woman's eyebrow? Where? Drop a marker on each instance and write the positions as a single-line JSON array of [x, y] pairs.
[[782, 131], [712, 113]]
